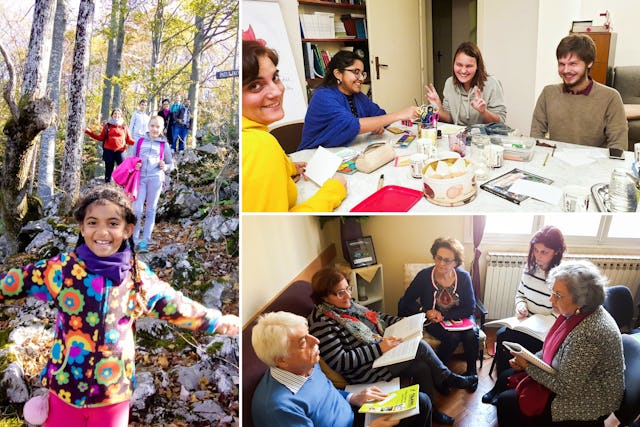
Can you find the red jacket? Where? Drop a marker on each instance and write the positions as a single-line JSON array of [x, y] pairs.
[[118, 137]]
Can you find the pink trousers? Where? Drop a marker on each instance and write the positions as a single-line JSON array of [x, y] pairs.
[[61, 414]]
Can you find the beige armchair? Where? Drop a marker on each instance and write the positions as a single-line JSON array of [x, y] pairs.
[[410, 271]]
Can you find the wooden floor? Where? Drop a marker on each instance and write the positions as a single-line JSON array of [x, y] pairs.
[[467, 408]]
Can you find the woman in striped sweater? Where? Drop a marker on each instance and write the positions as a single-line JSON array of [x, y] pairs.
[[350, 341], [532, 297]]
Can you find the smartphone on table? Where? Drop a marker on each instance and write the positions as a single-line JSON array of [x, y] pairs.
[[616, 153]]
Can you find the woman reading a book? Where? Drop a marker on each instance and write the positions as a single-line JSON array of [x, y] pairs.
[[584, 348], [339, 111], [268, 175], [471, 96], [351, 340], [532, 297], [444, 292]]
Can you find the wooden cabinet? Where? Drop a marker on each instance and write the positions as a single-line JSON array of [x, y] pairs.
[[365, 292], [316, 51], [602, 70]]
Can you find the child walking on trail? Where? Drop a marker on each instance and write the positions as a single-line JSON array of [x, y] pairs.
[[99, 290], [155, 153], [115, 137]]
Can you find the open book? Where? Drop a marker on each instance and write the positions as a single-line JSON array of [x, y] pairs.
[[386, 387], [409, 330], [530, 357], [537, 325]]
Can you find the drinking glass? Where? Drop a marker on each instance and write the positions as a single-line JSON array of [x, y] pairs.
[[622, 192]]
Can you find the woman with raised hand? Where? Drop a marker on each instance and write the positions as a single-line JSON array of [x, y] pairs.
[[471, 96], [339, 111]]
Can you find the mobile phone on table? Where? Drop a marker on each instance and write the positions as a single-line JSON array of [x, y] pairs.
[[616, 153]]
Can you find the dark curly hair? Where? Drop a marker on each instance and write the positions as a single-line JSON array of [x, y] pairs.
[[340, 61], [251, 51], [553, 239]]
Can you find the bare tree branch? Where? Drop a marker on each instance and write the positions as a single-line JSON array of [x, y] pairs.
[[10, 88]]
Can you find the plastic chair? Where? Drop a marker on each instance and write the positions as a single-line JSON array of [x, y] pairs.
[[288, 135]]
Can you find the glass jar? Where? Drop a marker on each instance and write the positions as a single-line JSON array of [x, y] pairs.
[[622, 192], [477, 157]]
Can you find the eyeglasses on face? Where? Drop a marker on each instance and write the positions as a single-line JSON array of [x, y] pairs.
[[556, 295], [438, 258], [342, 292], [358, 73]]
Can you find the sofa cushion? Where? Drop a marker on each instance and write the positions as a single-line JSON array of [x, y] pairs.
[[295, 298], [626, 80]]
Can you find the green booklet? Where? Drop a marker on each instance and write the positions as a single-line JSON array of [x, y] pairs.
[[401, 400]]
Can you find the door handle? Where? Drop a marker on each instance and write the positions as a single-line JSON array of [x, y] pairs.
[[378, 65]]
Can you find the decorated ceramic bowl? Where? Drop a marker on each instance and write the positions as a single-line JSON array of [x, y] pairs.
[[450, 184]]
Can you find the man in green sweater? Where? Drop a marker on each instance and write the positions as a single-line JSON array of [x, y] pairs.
[[580, 110]]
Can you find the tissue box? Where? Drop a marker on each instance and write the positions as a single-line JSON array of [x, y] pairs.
[[518, 148]]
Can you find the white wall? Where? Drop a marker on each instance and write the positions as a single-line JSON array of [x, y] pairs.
[[274, 250], [625, 16]]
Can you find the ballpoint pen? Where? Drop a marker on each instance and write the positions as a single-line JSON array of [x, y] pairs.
[[545, 160], [553, 151], [381, 181]]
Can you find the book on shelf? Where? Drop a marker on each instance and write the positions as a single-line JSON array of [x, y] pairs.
[[409, 330], [527, 355], [309, 68], [386, 387], [457, 325], [318, 63], [325, 58], [402, 400], [537, 325], [361, 28], [501, 185]]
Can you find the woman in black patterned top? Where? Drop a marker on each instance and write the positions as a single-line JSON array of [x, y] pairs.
[[351, 339]]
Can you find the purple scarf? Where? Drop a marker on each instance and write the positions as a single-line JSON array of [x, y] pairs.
[[113, 267]]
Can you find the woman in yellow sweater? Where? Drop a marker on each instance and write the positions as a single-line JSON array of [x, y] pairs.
[[268, 175]]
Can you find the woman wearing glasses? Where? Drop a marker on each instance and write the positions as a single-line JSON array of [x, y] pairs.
[[350, 338], [339, 111], [583, 347], [444, 292]]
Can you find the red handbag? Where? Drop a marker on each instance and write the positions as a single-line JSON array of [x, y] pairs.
[[532, 396]]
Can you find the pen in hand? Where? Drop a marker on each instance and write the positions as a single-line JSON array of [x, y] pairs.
[[381, 181]]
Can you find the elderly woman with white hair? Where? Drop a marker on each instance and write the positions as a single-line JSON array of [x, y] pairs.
[[585, 349]]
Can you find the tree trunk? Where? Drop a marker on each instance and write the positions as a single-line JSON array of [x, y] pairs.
[[72, 161], [48, 140], [194, 86], [29, 117], [109, 71], [122, 16], [156, 39]]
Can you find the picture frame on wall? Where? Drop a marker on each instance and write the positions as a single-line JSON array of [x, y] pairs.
[[361, 252]]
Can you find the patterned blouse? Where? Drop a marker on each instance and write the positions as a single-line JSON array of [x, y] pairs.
[[92, 358]]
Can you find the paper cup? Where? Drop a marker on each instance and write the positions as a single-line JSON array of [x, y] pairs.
[[575, 199]]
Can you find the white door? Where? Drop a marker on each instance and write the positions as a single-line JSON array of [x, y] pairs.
[[395, 46]]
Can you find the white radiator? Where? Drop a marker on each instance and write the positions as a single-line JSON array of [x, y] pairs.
[[504, 271]]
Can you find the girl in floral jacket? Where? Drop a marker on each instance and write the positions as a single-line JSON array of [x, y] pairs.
[[99, 289]]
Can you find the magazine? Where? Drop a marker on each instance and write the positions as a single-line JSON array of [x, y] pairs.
[[457, 325], [409, 330], [386, 387], [530, 357], [537, 325], [401, 400], [500, 186]]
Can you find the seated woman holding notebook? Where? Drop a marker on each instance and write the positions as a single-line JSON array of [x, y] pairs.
[[584, 348], [444, 292], [351, 340], [532, 297], [268, 175], [338, 110]]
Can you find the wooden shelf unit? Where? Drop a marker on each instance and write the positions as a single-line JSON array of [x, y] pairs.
[[602, 70]]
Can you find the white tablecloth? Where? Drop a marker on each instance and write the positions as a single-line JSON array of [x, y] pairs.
[[361, 185]]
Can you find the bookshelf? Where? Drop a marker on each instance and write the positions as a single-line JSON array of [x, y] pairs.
[[319, 46]]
